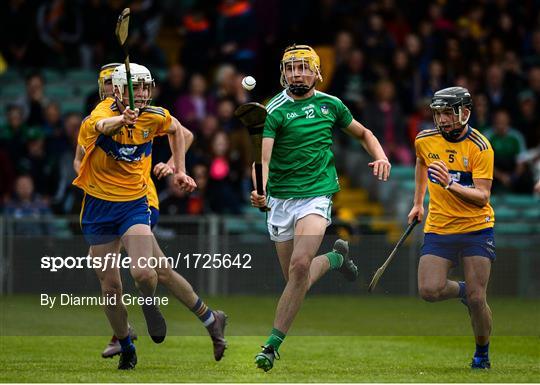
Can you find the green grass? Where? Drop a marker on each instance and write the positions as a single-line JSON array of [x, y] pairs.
[[334, 339]]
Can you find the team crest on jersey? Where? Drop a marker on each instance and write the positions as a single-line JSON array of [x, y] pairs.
[[145, 134], [466, 161], [324, 109]]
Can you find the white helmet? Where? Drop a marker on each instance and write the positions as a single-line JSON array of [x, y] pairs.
[[139, 74]]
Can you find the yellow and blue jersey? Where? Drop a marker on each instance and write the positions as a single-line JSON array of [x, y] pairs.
[[467, 159], [117, 168]]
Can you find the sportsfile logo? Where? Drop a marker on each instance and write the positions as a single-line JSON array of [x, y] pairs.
[[116, 261]]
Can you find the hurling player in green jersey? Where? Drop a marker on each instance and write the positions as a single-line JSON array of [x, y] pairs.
[[300, 177]]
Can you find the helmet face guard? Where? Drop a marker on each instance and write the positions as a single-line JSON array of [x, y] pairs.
[[140, 77], [299, 61], [104, 79], [451, 101]]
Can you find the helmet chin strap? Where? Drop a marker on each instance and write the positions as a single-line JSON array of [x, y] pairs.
[[454, 134], [300, 89]]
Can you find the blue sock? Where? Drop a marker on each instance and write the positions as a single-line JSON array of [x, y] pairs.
[[126, 343], [462, 290], [203, 312], [482, 351]]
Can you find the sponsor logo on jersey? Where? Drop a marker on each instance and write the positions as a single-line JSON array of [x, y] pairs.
[[433, 156], [127, 151], [310, 105], [451, 151], [324, 109]]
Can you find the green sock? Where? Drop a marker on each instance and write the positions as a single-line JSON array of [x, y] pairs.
[[335, 259], [275, 339]]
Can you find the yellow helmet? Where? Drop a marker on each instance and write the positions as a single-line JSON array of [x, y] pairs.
[[305, 54], [106, 74]]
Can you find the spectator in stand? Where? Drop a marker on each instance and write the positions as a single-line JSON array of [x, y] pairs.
[[435, 80], [532, 57], [507, 144], [498, 96], [14, 132], [343, 48], [144, 28], [350, 82], [41, 166], [222, 195], [228, 84], [236, 37], [26, 204], [225, 115], [198, 36], [59, 24], [201, 147], [528, 119], [480, 118], [377, 42], [534, 82], [53, 125], [17, 21], [403, 76], [421, 120], [172, 88], [196, 104], [34, 101], [385, 119]]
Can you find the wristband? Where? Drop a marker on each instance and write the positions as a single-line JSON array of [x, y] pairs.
[[449, 184]]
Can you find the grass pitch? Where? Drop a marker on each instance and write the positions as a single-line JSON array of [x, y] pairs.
[[334, 339]]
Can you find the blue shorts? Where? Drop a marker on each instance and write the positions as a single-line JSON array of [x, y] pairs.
[[455, 246], [104, 221], [154, 217]]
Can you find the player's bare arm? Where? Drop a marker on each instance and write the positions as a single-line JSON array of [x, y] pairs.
[[478, 195], [177, 145], [266, 154], [111, 126], [421, 181], [381, 166], [161, 169], [79, 155]]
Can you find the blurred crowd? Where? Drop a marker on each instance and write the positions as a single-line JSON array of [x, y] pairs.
[[384, 59]]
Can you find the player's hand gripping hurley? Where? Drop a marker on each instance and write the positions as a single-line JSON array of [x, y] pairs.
[[381, 269], [253, 115]]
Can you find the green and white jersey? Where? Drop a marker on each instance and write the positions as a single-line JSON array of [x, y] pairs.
[[302, 164]]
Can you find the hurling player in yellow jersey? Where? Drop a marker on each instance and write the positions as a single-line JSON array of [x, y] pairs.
[[455, 162], [115, 209], [214, 321]]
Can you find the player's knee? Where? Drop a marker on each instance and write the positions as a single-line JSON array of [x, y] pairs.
[[476, 300], [111, 289], [429, 293], [144, 276], [164, 275], [299, 269]]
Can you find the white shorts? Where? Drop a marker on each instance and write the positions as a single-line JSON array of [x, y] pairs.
[[284, 214]]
